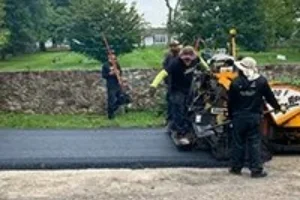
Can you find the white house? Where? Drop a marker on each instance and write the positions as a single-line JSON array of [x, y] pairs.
[[155, 36]]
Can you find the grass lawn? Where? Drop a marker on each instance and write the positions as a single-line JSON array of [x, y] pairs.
[[263, 58], [131, 119], [150, 57]]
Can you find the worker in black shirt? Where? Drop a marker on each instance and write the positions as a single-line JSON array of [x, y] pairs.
[[179, 87], [171, 55], [245, 105], [113, 86]]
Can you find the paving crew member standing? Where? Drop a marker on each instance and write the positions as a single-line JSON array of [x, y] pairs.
[[171, 55], [246, 101], [179, 86], [112, 84]]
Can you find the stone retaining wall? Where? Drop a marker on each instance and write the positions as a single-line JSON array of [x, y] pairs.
[[84, 91]]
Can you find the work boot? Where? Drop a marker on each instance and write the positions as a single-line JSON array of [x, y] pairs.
[[183, 139], [260, 174], [235, 171]]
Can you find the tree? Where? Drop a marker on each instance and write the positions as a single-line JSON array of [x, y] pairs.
[[121, 24], [281, 19], [199, 17], [172, 15], [27, 21], [41, 11], [59, 18], [20, 24], [212, 19], [4, 33]]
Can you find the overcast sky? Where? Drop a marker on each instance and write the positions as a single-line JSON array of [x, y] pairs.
[[155, 11]]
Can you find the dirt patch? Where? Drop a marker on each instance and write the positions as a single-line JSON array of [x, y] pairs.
[[283, 183]]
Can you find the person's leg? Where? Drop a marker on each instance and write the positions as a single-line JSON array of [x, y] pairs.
[[178, 109], [238, 144], [169, 112], [169, 106], [111, 102], [254, 146], [179, 124]]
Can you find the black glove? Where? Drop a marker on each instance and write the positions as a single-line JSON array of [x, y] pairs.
[[152, 91]]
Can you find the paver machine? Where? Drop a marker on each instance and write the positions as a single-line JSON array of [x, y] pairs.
[[207, 111]]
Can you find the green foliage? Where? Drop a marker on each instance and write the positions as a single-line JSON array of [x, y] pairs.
[[280, 20], [59, 19], [150, 57], [122, 26], [213, 20], [4, 32], [27, 21], [49, 61], [132, 119]]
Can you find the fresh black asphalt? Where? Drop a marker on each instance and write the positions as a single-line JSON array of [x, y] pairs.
[[104, 148]]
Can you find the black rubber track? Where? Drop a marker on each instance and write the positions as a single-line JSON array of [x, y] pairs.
[[105, 148]]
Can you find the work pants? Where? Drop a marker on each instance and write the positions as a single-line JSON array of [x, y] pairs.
[[246, 135]]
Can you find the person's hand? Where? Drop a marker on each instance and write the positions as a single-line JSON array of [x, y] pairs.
[[152, 91], [283, 109], [111, 73]]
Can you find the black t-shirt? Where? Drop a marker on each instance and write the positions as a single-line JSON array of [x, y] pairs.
[[178, 80], [248, 96], [112, 80], [167, 61]]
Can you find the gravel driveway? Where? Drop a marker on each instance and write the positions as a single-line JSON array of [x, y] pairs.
[[283, 183]]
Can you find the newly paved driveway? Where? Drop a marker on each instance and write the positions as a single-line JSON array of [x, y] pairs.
[[105, 148]]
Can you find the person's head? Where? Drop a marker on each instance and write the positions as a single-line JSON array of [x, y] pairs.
[[248, 67], [174, 47], [188, 55], [112, 58]]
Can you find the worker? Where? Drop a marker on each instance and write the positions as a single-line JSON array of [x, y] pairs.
[[171, 55], [112, 85], [179, 85], [245, 105]]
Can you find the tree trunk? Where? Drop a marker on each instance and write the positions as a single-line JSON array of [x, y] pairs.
[[172, 14], [170, 19], [54, 43], [3, 55], [42, 46]]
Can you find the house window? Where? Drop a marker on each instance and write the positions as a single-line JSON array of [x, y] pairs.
[[160, 39]]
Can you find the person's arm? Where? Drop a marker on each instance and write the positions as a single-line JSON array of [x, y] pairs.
[[270, 97], [231, 98], [166, 61], [159, 78], [203, 64]]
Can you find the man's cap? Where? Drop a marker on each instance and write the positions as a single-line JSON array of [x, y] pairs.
[[174, 43], [248, 66], [188, 53]]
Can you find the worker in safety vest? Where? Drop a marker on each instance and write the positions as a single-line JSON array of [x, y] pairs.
[[245, 105], [179, 86]]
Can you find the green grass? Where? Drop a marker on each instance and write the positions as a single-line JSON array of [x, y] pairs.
[[150, 57], [263, 58], [49, 61], [132, 119], [144, 58]]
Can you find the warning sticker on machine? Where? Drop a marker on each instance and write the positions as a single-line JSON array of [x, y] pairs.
[[288, 96]]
